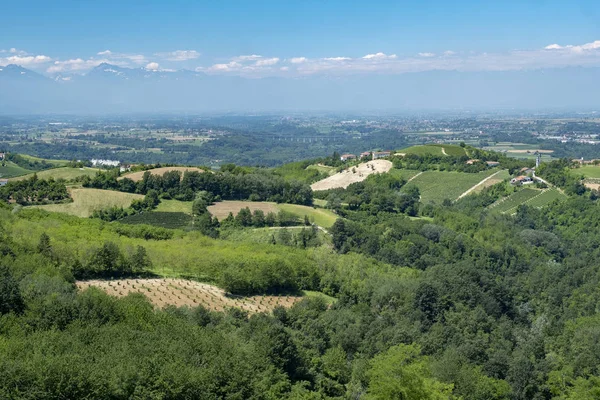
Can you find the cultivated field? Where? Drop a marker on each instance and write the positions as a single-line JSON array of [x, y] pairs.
[[406, 174], [319, 216], [181, 292], [175, 206], [588, 171], [11, 170], [65, 173], [509, 204], [491, 180], [347, 177], [137, 176], [435, 186], [323, 168], [435, 149], [222, 209], [85, 201], [532, 197]]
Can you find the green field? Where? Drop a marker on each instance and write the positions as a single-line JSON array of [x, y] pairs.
[[405, 174], [435, 186], [320, 202], [588, 171], [65, 173], [321, 217], [175, 206], [171, 220], [325, 169], [531, 197], [11, 170], [85, 201], [265, 235], [58, 163], [435, 149], [546, 198], [509, 204]]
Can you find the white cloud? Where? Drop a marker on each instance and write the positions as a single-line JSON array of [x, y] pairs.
[[267, 62], [137, 59], [379, 56], [284, 68], [179, 55], [595, 45], [427, 54], [298, 60], [337, 59], [153, 66], [449, 53], [25, 60], [76, 65], [252, 57], [231, 66]]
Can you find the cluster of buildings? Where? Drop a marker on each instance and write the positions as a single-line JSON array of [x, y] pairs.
[[489, 163], [524, 178], [374, 155], [105, 163]]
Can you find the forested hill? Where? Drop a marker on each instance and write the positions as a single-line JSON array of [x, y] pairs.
[[400, 298]]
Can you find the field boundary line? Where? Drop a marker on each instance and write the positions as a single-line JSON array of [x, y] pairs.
[[414, 176], [480, 183]]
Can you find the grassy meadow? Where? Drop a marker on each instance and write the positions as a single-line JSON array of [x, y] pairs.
[[65, 173], [85, 201], [11, 170]]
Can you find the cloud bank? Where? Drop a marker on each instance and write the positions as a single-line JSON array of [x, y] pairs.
[[554, 55]]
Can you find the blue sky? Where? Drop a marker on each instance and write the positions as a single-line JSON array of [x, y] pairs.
[[300, 37]]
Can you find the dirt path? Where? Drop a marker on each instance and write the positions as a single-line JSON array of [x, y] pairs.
[[444, 151], [480, 183], [414, 177]]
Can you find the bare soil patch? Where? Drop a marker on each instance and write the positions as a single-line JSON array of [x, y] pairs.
[[222, 209], [137, 176], [352, 175], [181, 292], [593, 186]]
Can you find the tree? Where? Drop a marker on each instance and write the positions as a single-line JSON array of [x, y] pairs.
[[401, 373], [139, 261], [44, 247], [10, 294]]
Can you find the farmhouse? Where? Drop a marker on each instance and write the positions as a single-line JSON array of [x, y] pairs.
[[346, 157], [2, 155], [472, 161], [3, 182], [365, 154], [381, 154], [521, 180], [492, 163]]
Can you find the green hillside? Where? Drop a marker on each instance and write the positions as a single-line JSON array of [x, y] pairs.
[[65, 173], [11, 170], [435, 149], [435, 186]]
